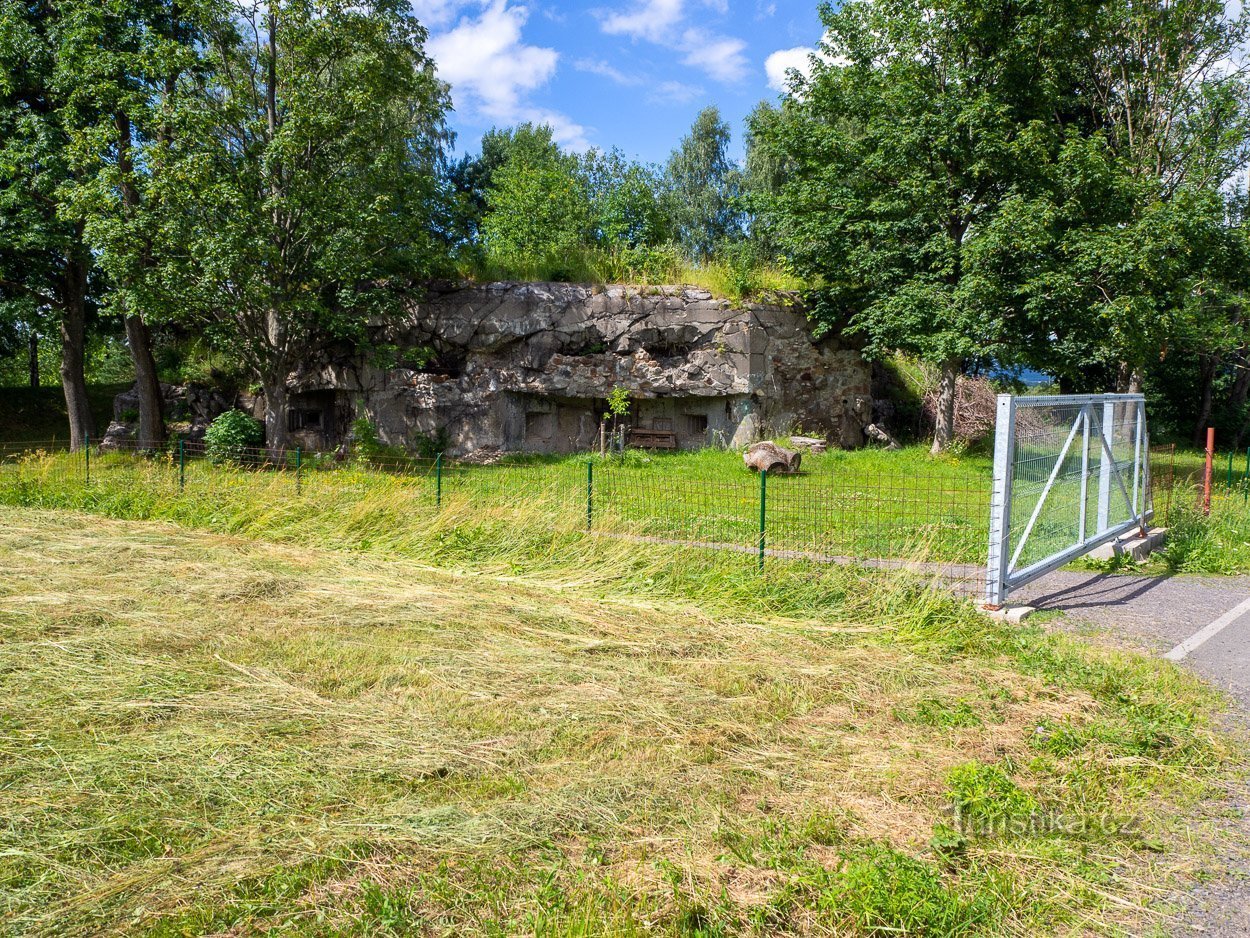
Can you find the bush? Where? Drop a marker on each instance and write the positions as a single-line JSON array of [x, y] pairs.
[[231, 435]]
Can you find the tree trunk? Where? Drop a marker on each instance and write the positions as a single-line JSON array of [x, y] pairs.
[[73, 340], [944, 417], [1128, 379], [1207, 367], [277, 437], [1241, 392], [32, 348], [147, 384]]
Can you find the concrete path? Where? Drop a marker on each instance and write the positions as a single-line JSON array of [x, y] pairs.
[[1204, 623]]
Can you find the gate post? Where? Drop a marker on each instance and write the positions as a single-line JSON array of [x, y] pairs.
[[1106, 457], [1000, 502]]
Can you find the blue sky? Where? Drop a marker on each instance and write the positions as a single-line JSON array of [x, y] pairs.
[[631, 74]]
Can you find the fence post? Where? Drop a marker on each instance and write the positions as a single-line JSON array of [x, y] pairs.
[[299, 467], [763, 514], [590, 492], [438, 481], [1245, 479], [86, 450], [1230, 469], [182, 466], [1207, 471], [1000, 502]]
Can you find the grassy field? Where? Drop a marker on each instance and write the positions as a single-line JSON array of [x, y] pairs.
[[860, 504], [864, 504], [208, 734]]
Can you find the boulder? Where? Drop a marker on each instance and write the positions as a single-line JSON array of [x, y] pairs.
[[881, 435], [118, 436], [770, 457], [809, 443]]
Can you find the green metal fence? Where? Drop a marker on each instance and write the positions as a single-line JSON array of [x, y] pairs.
[[936, 513]]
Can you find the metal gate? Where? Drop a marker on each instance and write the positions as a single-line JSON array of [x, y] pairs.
[[1071, 473]]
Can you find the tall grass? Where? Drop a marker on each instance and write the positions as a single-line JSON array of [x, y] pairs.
[[735, 280]]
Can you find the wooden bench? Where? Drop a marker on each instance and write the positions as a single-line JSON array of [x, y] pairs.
[[653, 439]]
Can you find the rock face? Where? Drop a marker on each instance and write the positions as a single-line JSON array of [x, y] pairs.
[[527, 366], [189, 409], [478, 370]]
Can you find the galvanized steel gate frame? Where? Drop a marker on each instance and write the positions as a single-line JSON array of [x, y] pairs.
[[1002, 575]]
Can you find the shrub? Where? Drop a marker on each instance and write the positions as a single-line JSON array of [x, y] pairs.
[[429, 445], [231, 435]]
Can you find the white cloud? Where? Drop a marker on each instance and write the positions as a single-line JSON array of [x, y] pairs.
[[661, 22], [720, 56], [435, 13], [603, 69], [674, 92], [492, 71], [653, 20], [778, 65]]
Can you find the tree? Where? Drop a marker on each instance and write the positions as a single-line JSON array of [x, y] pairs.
[[1164, 88], [44, 262], [538, 208], [43, 257], [909, 156], [298, 188], [704, 187], [470, 178], [762, 177], [120, 64], [627, 200]]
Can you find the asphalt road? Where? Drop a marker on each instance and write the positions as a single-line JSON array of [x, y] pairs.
[[1204, 623]]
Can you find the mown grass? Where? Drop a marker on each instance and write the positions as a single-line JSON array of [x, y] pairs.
[[491, 722]]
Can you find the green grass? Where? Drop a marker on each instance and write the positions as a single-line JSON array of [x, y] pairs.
[[867, 503], [39, 413], [1218, 543], [486, 721]]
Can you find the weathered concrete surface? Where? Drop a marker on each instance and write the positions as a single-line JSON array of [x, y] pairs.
[[527, 366], [189, 409], [1137, 548]]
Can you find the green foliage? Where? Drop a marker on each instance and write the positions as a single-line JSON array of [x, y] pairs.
[[703, 185], [365, 438], [628, 201], [538, 208], [343, 166], [1216, 543], [986, 799], [887, 892], [233, 437], [618, 401], [430, 445]]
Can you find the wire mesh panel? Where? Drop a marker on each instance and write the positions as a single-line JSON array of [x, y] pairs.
[[1071, 472], [897, 509]]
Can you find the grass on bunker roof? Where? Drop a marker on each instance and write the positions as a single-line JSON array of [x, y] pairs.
[[206, 734]]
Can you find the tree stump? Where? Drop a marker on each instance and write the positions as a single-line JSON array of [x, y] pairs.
[[771, 457]]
